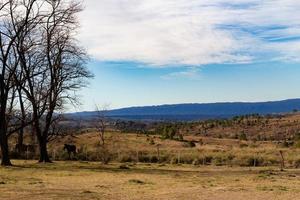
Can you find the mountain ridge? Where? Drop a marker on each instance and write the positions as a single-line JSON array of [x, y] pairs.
[[194, 111]]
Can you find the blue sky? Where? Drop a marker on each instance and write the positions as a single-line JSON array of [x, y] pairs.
[[130, 84], [149, 52]]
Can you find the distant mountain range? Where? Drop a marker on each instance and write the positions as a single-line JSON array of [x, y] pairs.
[[196, 111]]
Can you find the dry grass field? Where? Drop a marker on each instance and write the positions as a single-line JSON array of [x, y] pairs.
[[92, 180], [147, 167], [212, 151]]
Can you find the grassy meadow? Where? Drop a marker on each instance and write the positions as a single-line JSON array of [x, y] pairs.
[[148, 166], [92, 180], [120, 147]]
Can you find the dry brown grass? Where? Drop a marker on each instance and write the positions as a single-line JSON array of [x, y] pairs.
[[82, 180], [275, 127], [221, 178], [134, 148]]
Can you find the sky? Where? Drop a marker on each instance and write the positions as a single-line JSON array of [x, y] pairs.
[[151, 52]]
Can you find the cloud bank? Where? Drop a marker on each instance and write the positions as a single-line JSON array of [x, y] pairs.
[[191, 32]]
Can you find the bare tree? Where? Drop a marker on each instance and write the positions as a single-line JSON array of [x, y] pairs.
[[57, 130], [13, 19], [101, 122], [101, 126], [40, 60], [65, 63]]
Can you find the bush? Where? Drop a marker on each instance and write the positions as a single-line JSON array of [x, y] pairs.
[[297, 143], [164, 158], [219, 160], [25, 155], [187, 158], [297, 163], [144, 158], [180, 137], [196, 161], [205, 160], [82, 156], [222, 159], [151, 142], [250, 161], [174, 160], [153, 159], [62, 155], [189, 144], [243, 136], [126, 158], [243, 145], [104, 155]]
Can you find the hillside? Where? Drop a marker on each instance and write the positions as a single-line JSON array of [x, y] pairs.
[[197, 111]]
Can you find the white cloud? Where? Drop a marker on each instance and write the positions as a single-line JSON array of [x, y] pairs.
[[189, 74], [191, 32]]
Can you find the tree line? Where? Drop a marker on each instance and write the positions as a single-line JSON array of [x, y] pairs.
[[41, 67]]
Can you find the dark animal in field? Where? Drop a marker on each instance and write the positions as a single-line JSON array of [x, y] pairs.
[[70, 149], [25, 148]]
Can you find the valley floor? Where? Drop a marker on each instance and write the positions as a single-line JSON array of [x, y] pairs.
[[91, 180]]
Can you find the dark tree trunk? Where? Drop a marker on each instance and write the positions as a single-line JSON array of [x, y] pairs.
[[5, 161], [44, 157], [4, 148], [20, 141], [43, 138], [21, 132], [33, 135]]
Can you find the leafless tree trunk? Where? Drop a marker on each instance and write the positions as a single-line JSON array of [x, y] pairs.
[[101, 125], [282, 165], [40, 60], [58, 69], [13, 21], [100, 122]]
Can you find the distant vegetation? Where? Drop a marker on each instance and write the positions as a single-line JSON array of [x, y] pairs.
[[194, 112], [249, 140], [244, 127]]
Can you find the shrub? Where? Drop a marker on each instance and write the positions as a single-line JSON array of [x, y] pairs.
[[151, 142], [205, 159], [187, 158], [180, 137], [125, 158], [250, 161], [136, 181], [201, 142], [104, 155], [174, 160], [62, 155], [153, 159], [196, 161], [222, 159], [123, 167], [24, 155], [82, 156], [190, 144], [243, 136], [144, 158], [297, 163], [218, 160], [243, 145], [297, 143], [164, 158]]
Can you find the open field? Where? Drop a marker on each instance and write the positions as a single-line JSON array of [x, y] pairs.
[[210, 151], [90, 180], [121, 147], [150, 167]]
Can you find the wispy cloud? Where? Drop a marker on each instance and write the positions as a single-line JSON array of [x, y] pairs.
[[192, 32], [192, 74]]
